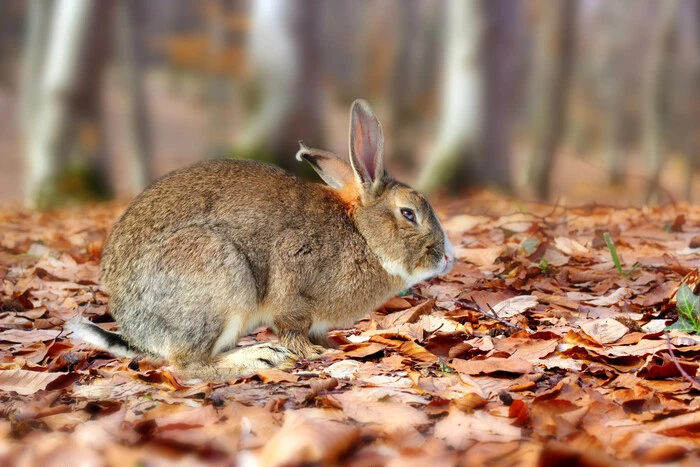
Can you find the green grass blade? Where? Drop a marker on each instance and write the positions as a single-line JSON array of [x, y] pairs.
[[613, 253]]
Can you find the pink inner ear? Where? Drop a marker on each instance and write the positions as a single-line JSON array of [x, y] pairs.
[[365, 147]]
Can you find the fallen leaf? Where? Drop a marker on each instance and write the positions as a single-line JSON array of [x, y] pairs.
[[605, 331], [380, 412], [480, 256], [27, 382], [344, 369], [492, 365], [515, 306], [306, 440], [460, 429], [28, 337]]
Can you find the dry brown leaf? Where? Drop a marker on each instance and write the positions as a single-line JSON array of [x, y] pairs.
[[480, 256], [362, 349], [380, 412], [61, 421], [515, 305], [306, 440], [28, 337], [184, 419], [27, 382], [460, 430], [344, 369], [276, 376], [409, 315], [605, 331], [492, 365]]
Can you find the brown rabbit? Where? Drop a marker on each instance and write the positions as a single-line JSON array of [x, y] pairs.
[[210, 252]]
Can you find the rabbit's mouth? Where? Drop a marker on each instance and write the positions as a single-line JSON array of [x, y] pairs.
[[448, 259], [447, 264]]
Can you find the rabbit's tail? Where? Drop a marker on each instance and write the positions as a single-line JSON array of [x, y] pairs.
[[94, 335]]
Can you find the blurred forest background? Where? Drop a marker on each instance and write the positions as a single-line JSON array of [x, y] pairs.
[[587, 100]]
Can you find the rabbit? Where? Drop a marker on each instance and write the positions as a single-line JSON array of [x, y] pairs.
[[210, 252]]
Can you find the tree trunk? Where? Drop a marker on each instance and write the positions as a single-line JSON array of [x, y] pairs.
[[655, 98], [68, 95], [472, 146], [692, 87], [554, 49], [343, 51], [130, 53], [38, 16], [611, 50], [413, 74], [284, 51], [656, 95], [70, 26]]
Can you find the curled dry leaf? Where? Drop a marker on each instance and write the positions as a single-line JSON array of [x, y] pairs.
[[605, 331], [27, 382], [515, 305], [409, 315], [344, 369], [612, 299], [305, 440]]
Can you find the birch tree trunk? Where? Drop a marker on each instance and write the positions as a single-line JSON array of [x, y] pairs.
[[554, 48], [66, 124], [69, 29], [656, 95], [38, 20], [472, 146], [284, 50]]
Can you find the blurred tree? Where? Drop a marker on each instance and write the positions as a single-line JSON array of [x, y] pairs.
[[37, 25], [692, 87], [655, 99], [285, 46], [64, 132], [612, 72], [344, 47], [414, 73], [553, 56], [472, 146], [131, 54], [65, 97], [218, 86]]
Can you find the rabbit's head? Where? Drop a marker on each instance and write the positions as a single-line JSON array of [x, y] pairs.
[[398, 222]]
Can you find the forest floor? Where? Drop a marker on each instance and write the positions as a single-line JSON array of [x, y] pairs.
[[534, 350]]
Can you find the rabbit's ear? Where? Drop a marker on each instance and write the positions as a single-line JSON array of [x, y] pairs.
[[331, 168], [366, 145]]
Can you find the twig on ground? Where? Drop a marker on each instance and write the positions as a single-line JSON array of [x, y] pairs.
[[472, 305], [685, 374]]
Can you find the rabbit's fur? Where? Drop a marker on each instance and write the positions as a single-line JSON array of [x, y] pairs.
[[210, 252]]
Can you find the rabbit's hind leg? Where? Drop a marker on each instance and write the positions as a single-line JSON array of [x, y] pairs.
[[241, 361]]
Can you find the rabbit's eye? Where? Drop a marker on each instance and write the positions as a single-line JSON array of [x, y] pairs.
[[409, 214]]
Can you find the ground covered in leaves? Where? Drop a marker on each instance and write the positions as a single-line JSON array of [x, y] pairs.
[[535, 349]]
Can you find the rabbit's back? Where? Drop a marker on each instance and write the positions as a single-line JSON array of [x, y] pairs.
[[253, 203]]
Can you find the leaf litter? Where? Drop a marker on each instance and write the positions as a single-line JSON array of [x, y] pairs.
[[535, 348]]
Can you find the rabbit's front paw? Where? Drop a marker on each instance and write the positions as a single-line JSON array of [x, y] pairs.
[[275, 356], [300, 344], [323, 341]]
